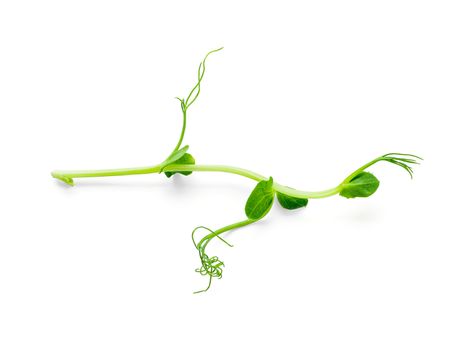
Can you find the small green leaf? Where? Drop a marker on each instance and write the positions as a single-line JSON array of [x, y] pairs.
[[291, 203], [173, 157], [186, 159], [260, 201], [362, 185]]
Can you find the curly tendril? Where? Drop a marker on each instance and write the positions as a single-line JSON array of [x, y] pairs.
[[211, 266]]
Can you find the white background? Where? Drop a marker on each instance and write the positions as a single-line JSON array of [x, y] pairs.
[[304, 91]]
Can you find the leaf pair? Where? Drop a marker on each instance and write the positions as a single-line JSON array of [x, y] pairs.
[[186, 159], [178, 157], [261, 199]]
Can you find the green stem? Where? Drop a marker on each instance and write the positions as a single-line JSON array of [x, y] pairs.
[[216, 233], [180, 140], [68, 176], [359, 170]]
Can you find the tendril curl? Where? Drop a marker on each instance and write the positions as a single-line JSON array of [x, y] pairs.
[[211, 266]]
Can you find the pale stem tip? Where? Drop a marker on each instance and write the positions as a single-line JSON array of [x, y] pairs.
[[67, 180]]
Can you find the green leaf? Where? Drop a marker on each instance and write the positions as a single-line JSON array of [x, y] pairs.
[[362, 185], [187, 159], [260, 201], [173, 157], [291, 203]]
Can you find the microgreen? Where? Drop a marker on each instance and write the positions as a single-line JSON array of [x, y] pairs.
[[359, 183]]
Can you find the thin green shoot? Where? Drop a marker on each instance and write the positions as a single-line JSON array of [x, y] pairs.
[[358, 184]]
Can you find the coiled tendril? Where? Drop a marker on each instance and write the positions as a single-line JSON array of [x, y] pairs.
[[211, 266]]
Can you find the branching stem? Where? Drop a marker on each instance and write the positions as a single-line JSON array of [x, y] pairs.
[[261, 199]]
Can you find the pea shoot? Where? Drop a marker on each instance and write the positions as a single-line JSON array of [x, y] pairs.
[[360, 183]]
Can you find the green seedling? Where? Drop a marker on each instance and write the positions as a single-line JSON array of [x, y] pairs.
[[360, 183]]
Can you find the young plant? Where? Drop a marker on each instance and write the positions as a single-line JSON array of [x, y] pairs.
[[360, 183]]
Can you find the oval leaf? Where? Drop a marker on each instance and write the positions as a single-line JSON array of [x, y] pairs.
[[291, 203], [186, 159], [362, 185], [260, 201]]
